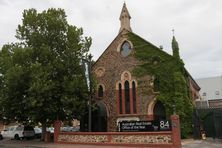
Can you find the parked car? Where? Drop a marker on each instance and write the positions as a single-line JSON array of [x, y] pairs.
[[18, 132], [68, 129], [50, 129], [38, 132]]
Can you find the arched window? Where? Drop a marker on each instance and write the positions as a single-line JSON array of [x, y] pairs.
[[134, 97], [126, 93], [125, 49], [100, 91], [127, 97], [120, 99]]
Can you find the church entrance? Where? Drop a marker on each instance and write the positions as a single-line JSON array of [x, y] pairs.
[[99, 118], [159, 111]]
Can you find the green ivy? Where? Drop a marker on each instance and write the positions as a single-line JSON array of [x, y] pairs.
[[170, 76]]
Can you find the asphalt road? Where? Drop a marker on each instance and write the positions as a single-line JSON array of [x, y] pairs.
[[210, 143], [6, 143]]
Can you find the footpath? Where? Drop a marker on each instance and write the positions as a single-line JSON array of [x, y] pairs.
[[6, 143], [187, 143]]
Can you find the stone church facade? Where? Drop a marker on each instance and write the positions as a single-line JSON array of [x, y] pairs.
[[118, 94]]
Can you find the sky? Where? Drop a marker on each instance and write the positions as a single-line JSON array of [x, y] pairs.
[[197, 25]]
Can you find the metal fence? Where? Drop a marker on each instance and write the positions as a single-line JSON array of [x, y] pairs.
[[208, 120]]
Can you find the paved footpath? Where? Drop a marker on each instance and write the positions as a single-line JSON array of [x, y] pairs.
[[210, 143]]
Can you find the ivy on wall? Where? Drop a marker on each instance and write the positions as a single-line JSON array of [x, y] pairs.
[[170, 79]]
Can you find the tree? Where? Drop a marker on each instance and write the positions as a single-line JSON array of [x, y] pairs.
[[15, 81], [45, 80]]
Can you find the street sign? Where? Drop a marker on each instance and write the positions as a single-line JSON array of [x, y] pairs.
[[144, 126], [136, 126]]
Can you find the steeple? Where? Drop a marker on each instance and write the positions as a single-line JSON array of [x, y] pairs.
[[175, 47], [125, 19]]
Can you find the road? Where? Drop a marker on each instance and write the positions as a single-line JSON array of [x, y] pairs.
[[6, 143], [210, 143]]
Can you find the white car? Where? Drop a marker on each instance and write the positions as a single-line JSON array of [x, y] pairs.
[[69, 129], [50, 129], [18, 132], [38, 132]]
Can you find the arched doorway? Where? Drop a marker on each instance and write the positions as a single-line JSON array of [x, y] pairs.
[[159, 111], [99, 118]]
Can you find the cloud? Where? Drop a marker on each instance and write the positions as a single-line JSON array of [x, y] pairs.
[[197, 25]]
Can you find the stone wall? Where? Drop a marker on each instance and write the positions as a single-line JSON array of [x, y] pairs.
[[117, 138]]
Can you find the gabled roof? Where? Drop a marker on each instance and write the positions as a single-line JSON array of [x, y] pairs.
[[192, 80], [148, 43], [107, 48], [120, 33]]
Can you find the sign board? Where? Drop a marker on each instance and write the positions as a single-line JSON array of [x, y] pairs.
[[136, 126], [144, 126]]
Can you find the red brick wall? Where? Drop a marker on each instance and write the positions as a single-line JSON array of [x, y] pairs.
[[170, 139]]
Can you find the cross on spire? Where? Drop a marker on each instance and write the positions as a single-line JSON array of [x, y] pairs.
[[173, 31]]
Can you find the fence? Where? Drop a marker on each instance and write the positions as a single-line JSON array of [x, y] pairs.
[[168, 139], [210, 120]]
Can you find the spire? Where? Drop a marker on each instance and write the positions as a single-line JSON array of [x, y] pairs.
[[125, 19], [175, 47]]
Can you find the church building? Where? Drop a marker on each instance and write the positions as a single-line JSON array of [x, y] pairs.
[[122, 94]]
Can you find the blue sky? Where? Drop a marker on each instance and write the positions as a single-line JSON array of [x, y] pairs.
[[197, 24]]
